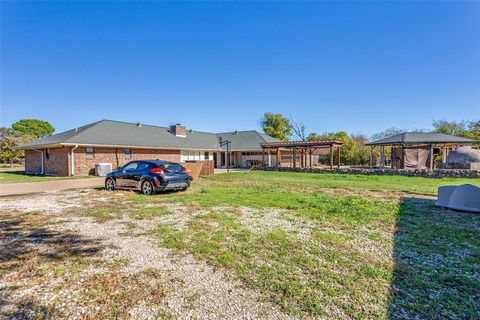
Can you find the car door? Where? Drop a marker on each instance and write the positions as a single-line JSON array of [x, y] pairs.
[[140, 171], [125, 178]]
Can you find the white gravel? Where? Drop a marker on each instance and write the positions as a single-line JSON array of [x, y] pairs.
[[197, 290]]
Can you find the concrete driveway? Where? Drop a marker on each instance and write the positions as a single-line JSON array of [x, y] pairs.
[[10, 189]]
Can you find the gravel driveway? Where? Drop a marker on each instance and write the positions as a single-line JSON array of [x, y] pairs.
[[9, 189], [190, 288]]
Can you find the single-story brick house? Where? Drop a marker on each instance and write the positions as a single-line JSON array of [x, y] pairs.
[[77, 151]]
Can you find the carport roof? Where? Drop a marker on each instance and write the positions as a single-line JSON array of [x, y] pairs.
[[123, 134], [420, 138]]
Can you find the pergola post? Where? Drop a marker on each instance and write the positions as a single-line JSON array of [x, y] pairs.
[[371, 157], [338, 150], [331, 157], [277, 156], [310, 154], [294, 157], [302, 162]]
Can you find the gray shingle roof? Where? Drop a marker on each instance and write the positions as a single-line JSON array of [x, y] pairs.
[[420, 137], [245, 140], [116, 133]]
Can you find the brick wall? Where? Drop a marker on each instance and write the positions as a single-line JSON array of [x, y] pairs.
[[56, 164], [33, 162], [117, 157]]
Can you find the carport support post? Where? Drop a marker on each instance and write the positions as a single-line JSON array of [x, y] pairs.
[[431, 157], [391, 156]]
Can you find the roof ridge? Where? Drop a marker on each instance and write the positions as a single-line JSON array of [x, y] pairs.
[[258, 134], [85, 127], [155, 126]]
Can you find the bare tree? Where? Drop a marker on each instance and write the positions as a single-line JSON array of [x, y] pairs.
[[299, 129]]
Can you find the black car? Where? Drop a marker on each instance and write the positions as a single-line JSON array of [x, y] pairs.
[[149, 176]]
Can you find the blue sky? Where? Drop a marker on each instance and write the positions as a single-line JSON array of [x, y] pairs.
[[358, 67]]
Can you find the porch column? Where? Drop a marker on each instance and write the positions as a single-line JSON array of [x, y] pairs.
[[310, 152]]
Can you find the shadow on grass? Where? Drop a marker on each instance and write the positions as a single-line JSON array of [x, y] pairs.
[[437, 263]]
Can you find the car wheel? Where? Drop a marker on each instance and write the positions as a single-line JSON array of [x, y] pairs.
[[109, 184], [147, 188]]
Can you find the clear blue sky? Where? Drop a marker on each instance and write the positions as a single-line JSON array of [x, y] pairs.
[[359, 67]]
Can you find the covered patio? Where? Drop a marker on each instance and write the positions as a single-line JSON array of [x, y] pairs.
[[303, 150], [415, 150]]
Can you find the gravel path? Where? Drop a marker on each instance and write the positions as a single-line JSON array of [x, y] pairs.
[[197, 290]]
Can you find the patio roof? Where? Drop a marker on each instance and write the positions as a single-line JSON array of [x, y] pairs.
[[302, 144], [421, 138]]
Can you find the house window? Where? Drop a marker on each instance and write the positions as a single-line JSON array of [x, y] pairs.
[[90, 152], [207, 156], [47, 153], [128, 153]]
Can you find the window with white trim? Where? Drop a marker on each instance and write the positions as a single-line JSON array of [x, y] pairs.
[[90, 151]]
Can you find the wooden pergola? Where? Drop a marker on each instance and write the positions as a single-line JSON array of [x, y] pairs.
[[304, 148]]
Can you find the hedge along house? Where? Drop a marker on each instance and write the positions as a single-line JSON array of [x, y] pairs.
[[77, 151], [416, 150]]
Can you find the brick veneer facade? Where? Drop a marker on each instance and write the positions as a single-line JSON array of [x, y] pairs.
[[55, 161], [59, 163], [117, 157]]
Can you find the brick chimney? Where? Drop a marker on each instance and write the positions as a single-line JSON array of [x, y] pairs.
[[178, 130]]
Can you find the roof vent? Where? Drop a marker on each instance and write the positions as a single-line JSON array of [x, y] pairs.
[[178, 130], [139, 124]]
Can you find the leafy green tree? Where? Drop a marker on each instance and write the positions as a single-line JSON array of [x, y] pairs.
[[33, 127], [9, 140], [473, 130], [276, 125], [450, 127]]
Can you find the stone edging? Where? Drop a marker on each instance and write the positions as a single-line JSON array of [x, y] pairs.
[[438, 173]]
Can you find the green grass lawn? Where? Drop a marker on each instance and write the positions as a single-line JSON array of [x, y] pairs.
[[331, 245], [20, 176]]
